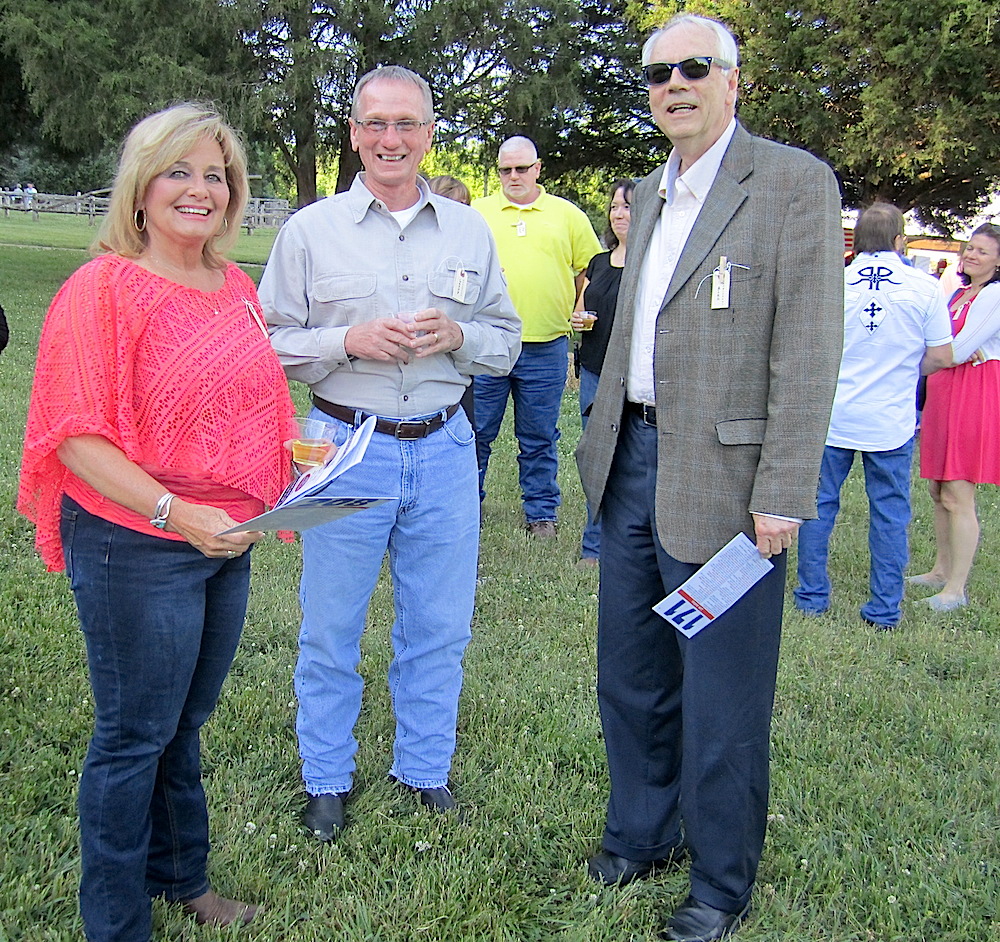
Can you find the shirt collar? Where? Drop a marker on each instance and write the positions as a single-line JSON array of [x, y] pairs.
[[699, 177], [360, 199], [509, 204]]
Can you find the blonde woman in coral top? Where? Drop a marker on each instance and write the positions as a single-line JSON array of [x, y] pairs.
[[156, 421]]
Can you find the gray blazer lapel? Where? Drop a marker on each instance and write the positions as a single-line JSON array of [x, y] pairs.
[[725, 197]]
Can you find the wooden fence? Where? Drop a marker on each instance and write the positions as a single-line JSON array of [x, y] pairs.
[[260, 213]]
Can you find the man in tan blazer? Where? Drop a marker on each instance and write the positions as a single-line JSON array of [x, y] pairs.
[[709, 420]]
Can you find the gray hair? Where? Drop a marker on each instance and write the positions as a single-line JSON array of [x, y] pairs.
[[728, 54], [517, 143], [393, 73]]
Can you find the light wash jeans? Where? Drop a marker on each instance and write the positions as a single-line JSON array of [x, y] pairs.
[[429, 525], [887, 481]]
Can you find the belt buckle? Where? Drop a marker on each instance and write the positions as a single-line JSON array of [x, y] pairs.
[[649, 414], [411, 431]]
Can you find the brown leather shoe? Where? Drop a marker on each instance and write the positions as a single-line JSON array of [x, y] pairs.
[[542, 529], [210, 909]]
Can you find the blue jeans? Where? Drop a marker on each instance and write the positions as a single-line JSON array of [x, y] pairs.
[[887, 481], [590, 545], [536, 385], [429, 525], [161, 623]]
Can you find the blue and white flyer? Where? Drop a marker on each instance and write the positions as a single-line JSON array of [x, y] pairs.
[[713, 589]]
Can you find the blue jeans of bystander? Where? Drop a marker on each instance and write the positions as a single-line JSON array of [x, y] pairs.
[[887, 482], [536, 385], [590, 545]]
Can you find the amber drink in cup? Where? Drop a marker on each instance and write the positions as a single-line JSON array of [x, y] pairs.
[[313, 442], [589, 318]]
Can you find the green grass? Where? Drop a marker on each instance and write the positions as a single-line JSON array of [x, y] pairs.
[[64, 231], [885, 823]]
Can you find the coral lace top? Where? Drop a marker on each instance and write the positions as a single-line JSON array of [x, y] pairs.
[[183, 381]]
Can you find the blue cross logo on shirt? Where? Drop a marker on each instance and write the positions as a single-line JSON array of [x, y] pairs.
[[873, 311]]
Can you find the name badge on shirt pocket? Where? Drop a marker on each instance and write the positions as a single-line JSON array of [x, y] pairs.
[[456, 282], [461, 286]]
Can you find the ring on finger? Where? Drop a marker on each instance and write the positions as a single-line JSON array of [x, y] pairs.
[[434, 334], [231, 554]]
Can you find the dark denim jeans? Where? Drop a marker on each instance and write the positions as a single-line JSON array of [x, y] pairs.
[[536, 385], [161, 623], [887, 481], [590, 544]]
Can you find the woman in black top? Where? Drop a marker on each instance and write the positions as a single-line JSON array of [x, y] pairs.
[[600, 295]]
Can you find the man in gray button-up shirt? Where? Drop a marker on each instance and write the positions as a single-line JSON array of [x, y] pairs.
[[385, 300]]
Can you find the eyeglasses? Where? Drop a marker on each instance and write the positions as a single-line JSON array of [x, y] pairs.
[[378, 126], [507, 171], [697, 67]]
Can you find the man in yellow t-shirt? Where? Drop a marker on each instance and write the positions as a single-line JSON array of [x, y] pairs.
[[544, 243]]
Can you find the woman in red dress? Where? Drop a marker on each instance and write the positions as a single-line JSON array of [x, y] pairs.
[[959, 444]]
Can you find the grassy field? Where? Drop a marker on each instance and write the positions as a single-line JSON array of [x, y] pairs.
[[884, 807]]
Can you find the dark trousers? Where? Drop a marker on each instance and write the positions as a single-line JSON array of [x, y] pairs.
[[686, 721], [161, 623]]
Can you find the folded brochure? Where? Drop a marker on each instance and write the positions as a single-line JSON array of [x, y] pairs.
[[303, 505]]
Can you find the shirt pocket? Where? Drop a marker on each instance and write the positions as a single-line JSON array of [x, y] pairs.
[[343, 298], [446, 287]]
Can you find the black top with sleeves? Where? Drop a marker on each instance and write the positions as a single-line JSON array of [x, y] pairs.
[[600, 295]]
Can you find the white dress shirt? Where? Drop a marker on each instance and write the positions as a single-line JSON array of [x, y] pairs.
[[683, 196]]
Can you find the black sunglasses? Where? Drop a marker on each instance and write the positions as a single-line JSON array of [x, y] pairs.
[[506, 171], [697, 67]]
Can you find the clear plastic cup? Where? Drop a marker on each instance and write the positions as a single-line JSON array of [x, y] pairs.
[[410, 317], [313, 442]]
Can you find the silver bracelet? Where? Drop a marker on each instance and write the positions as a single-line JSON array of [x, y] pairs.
[[159, 519]]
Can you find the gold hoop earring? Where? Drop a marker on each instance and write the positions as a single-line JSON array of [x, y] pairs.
[[136, 219], [225, 227]]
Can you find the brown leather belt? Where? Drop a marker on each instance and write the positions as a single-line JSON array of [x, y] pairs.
[[407, 430], [645, 412]]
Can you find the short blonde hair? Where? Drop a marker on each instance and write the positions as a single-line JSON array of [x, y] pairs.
[[156, 143]]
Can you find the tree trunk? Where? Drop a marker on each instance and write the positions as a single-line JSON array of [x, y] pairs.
[[305, 172], [348, 163]]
